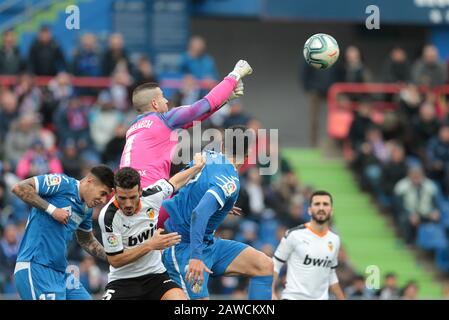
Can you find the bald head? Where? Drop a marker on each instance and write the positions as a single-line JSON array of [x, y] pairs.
[[148, 97]]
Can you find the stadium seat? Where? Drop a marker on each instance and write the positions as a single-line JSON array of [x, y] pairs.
[[431, 236], [444, 210], [442, 259]]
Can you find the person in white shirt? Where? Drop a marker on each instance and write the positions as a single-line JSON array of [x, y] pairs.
[[132, 241], [311, 254]]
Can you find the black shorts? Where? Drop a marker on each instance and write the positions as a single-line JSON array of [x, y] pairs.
[[148, 287]]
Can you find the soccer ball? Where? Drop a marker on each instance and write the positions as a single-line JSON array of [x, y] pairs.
[[321, 51]]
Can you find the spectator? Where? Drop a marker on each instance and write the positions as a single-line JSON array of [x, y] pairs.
[[316, 83], [422, 128], [295, 214], [372, 154], [8, 113], [115, 55], [392, 171], [409, 102], [46, 57], [86, 60], [392, 126], [61, 87], [429, 70], [255, 192], [416, 198], [396, 68], [144, 72], [410, 291], [2, 195], [9, 247], [390, 290], [236, 114], [249, 234], [375, 138], [198, 63], [345, 270], [37, 161], [11, 63], [90, 275], [353, 68], [103, 120], [438, 158], [71, 161], [113, 150], [23, 132], [188, 93], [119, 89], [359, 126], [72, 123], [358, 290], [28, 94]]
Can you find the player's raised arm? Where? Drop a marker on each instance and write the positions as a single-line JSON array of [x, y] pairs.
[[182, 178], [230, 87], [27, 190]]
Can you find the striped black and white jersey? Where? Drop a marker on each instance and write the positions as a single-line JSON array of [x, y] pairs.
[[311, 261], [121, 232]]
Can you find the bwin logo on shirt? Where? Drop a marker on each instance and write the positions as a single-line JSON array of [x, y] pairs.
[[325, 263], [132, 241]]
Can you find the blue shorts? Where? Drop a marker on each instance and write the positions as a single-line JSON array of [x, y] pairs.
[[217, 256], [38, 282]]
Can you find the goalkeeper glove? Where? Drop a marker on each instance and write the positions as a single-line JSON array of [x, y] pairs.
[[241, 69], [238, 91]]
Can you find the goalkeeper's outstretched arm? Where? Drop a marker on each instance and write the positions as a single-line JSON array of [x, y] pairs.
[[230, 87]]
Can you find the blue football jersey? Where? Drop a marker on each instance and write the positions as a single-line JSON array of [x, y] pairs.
[[218, 177], [45, 240]]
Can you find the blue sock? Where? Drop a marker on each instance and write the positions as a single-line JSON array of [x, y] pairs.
[[260, 288]]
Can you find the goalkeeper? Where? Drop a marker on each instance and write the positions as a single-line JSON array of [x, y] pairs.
[[149, 142]]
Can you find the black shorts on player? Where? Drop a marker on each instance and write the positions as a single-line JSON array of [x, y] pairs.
[[147, 287]]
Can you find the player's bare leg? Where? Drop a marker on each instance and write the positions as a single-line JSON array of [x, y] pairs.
[[174, 294], [257, 265], [250, 262]]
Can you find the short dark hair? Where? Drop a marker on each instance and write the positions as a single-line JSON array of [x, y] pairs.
[[359, 277], [320, 193], [9, 30], [104, 174], [235, 134], [45, 28], [127, 178], [144, 86], [138, 102]]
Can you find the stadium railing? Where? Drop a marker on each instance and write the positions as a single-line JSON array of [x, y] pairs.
[[99, 82], [340, 114]]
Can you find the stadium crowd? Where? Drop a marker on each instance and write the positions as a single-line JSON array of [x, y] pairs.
[[401, 154], [62, 128]]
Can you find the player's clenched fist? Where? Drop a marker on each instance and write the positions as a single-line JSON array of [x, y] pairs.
[[61, 215], [162, 241], [241, 69], [199, 160]]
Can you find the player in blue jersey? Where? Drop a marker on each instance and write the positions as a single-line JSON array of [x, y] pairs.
[[197, 211], [62, 206]]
